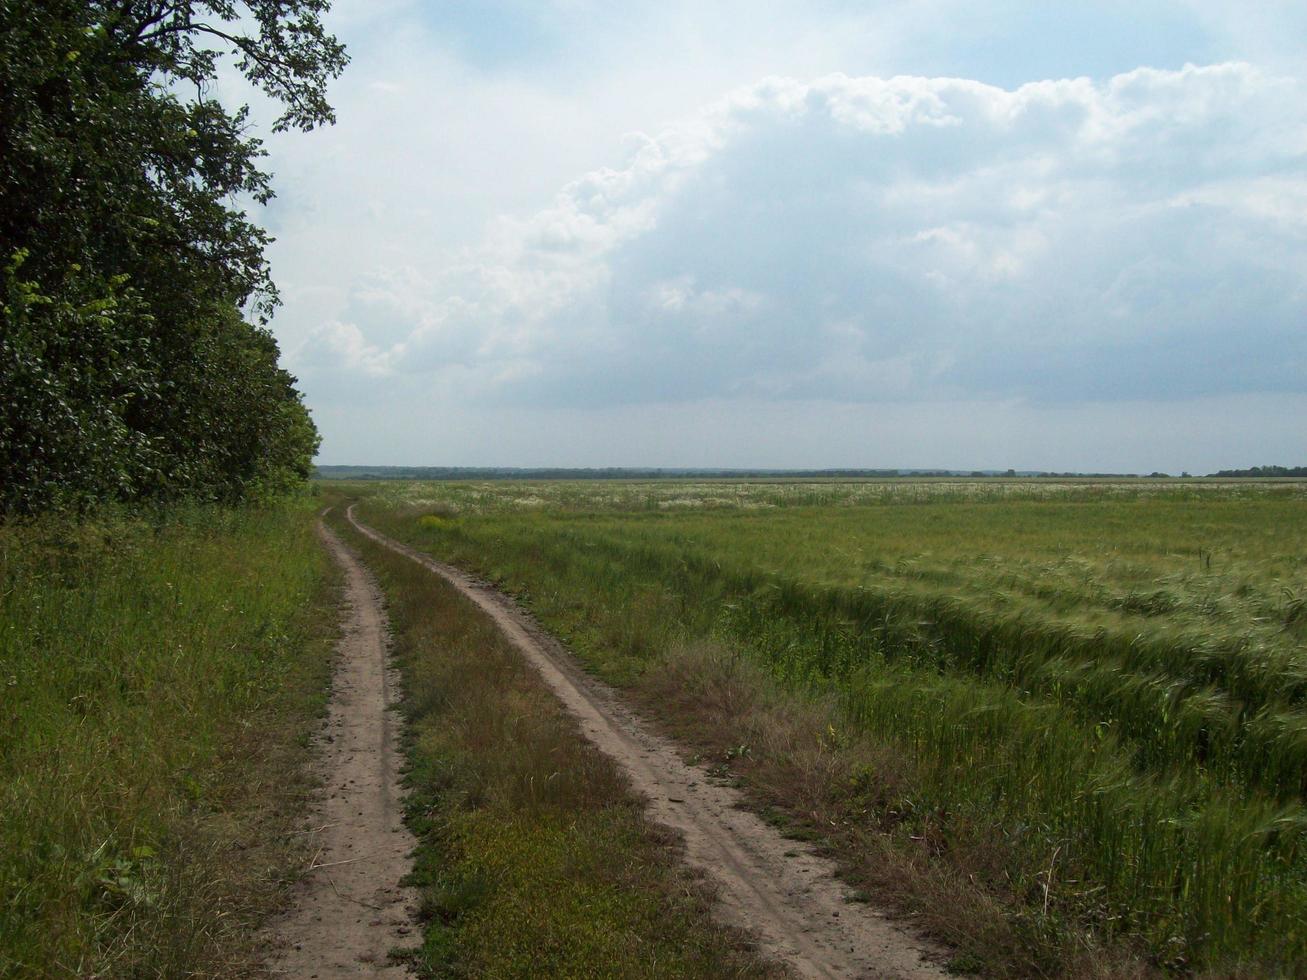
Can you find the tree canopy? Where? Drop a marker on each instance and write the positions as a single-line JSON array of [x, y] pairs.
[[135, 360]]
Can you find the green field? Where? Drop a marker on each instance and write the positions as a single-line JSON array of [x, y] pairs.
[[1101, 683]]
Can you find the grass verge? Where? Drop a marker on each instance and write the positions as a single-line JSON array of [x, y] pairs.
[[158, 683], [534, 859]]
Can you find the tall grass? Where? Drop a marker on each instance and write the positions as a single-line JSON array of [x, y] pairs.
[[157, 680], [1195, 667], [1068, 670]]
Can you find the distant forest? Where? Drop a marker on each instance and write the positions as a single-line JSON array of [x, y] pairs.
[[653, 473], [1266, 471]]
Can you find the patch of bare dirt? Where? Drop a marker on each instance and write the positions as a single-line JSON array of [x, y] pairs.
[[350, 911], [779, 890]]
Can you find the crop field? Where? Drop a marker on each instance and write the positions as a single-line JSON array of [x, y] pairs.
[[1100, 687]]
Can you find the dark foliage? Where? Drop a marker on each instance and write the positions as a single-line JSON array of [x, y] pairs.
[[1266, 471], [127, 368]]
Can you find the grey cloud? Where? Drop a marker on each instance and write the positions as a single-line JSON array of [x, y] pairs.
[[1033, 240], [862, 240]]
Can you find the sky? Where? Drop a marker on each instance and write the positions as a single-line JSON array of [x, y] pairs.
[[924, 233]]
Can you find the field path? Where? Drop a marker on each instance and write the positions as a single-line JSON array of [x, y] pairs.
[[775, 888], [350, 910]]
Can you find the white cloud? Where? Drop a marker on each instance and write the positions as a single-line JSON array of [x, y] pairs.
[[868, 239], [862, 229], [340, 346]]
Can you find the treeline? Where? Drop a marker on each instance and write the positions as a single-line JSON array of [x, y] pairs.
[[340, 472], [135, 359], [345, 472], [1265, 471]]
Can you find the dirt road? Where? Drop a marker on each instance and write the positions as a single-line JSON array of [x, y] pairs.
[[350, 911], [774, 887]]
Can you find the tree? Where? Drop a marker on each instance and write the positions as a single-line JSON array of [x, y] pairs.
[[127, 249], [70, 369]]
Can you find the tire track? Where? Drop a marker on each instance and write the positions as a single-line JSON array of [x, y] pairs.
[[776, 888], [350, 910]]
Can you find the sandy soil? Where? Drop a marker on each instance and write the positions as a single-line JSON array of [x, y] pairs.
[[776, 888], [350, 911]]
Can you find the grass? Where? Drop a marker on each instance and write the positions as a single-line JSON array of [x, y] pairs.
[[158, 680], [1094, 692], [534, 858]]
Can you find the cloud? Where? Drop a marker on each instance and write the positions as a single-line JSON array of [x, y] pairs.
[[342, 347], [863, 239]]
